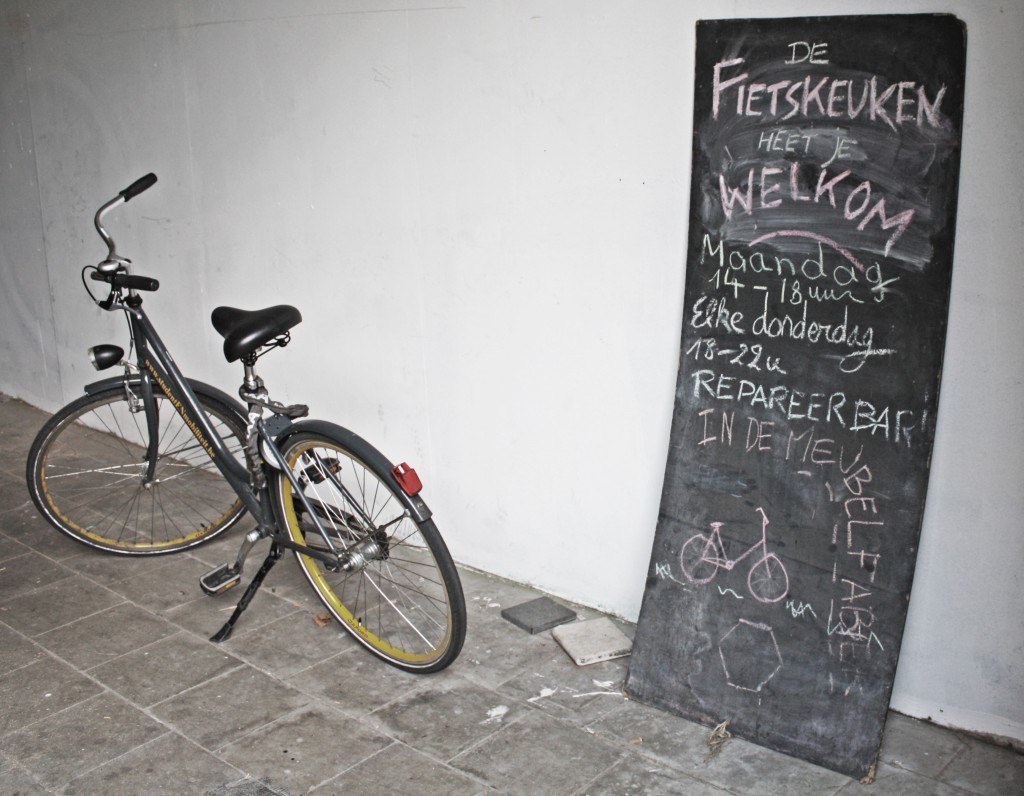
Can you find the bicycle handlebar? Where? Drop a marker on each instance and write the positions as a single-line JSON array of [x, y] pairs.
[[113, 261], [137, 187], [116, 270]]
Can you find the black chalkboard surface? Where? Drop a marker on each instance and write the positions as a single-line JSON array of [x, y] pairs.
[[825, 170]]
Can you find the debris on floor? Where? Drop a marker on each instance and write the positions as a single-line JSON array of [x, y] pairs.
[[717, 739], [536, 616]]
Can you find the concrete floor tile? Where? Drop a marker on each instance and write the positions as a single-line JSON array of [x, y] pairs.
[[17, 651], [12, 473], [27, 526], [27, 572], [22, 422], [538, 756], [290, 644], [287, 582], [356, 682], [19, 782], [108, 568], [496, 651], [11, 548], [893, 781], [444, 717], [162, 588], [88, 734], [557, 685], [986, 769], [205, 615], [221, 711], [164, 668], [487, 596], [755, 771], [16, 504], [246, 787], [12, 480], [665, 738], [57, 604], [304, 749], [917, 745], [638, 776], [167, 766], [40, 689], [739, 766], [401, 771], [105, 635]]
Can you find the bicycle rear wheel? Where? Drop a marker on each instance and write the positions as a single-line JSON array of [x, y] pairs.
[[697, 559], [401, 598], [87, 466]]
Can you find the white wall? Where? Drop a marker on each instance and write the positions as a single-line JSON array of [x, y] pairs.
[[481, 211]]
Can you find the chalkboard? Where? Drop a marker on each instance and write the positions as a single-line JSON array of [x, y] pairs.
[[822, 210]]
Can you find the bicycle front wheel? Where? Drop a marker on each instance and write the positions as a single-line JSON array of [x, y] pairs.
[[396, 589], [87, 474], [768, 581]]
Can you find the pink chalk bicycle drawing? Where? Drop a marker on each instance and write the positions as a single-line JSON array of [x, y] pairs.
[[702, 556]]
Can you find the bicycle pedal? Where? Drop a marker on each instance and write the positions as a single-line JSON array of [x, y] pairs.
[[219, 580]]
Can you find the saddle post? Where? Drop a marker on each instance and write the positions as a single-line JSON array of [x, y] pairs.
[[247, 336], [228, 576]]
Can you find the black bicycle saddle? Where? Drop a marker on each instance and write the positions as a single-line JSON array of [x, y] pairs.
[[246, 330]]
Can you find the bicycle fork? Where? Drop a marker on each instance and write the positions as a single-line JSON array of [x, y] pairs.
[[145, 402]]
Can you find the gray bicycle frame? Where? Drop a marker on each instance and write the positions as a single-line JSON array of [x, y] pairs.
[[149, 346], [156, 363]]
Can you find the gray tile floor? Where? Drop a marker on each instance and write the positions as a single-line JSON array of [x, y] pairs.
[[108, 685]]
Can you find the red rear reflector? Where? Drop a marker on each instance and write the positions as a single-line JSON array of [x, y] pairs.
[[407, 479]]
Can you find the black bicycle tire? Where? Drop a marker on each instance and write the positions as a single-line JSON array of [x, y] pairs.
[[346, 610], [57, 516]]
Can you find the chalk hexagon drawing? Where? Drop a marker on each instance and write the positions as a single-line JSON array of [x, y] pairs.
[[750, 655]]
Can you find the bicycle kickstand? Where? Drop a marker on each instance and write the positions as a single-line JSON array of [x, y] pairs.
[[225, 632]]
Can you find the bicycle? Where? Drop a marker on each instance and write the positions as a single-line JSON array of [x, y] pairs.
[[151, 462], [702, 555]]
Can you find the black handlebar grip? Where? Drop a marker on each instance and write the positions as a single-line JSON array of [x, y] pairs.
[[137, 187], [129, 281], [136, 282]]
